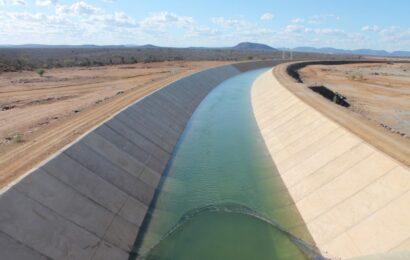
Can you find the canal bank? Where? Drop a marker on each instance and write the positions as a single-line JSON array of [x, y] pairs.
[[353, 198]]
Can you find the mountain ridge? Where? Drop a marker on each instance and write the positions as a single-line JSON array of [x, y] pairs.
[[251, 46]]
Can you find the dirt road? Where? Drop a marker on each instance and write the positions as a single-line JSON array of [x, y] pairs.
[[379, 95], [40, 115], [379, 92]]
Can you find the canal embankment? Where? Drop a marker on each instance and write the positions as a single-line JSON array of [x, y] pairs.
[[353, 197]]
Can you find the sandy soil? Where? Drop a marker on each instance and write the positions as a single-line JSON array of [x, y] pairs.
[[40, 115], [379, 92]]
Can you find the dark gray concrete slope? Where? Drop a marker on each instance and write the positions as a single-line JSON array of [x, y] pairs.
[[89, 201]]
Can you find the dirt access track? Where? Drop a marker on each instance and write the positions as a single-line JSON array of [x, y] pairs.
[[41, 115], [379, 98]]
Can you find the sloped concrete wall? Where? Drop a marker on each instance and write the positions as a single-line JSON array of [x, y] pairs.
[[354, 199], [90, 200]]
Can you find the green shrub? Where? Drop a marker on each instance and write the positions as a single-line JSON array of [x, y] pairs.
[[40, 72], [18, 138]]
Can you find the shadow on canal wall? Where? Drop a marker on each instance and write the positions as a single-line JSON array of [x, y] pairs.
[[90, 200]]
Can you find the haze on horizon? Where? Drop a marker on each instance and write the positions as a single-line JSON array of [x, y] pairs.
[[343, 24]]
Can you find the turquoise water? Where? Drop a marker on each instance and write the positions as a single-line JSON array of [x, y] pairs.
[[221, 160]]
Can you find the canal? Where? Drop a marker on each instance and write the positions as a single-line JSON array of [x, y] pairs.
[[221, 196]]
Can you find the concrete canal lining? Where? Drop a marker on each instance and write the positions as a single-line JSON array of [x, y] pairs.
[[353, 198], [89, 201]]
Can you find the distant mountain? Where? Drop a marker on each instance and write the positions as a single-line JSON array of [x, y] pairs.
[[372, 52], [367, 52], [401, 53], [250, 46], [148, 46], [253, 46], [38, 46]]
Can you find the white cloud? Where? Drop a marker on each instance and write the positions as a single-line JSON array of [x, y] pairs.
[[166, 19], [267, 17], [298, 20], [293, 28], [329, 31], [34, 27], [118, 19], [232, 23], [46, 2], [308, 30], [201, 31], [318, 19], [13, 2], [19, 17], [370, 28], [81, 22], [78, 8]]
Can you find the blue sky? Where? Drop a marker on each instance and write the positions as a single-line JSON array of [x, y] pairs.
[[346, 24]]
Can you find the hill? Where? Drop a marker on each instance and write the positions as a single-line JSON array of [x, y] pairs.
[[253, 46]]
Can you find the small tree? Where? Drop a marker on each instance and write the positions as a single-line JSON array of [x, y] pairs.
[[40, 72]]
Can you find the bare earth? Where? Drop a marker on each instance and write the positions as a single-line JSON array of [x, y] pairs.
[[378, 92], [40, 115]]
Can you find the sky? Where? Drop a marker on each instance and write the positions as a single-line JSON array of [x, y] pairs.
[[347, 24]]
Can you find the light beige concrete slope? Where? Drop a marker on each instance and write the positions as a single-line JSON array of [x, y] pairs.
[[354, 199]]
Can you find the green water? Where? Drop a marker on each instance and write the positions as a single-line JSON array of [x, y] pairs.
[[222, 159]]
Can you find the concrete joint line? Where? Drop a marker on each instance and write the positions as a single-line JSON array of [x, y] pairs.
[[399, 244], [24, 245], [322, 147], [137, 130], [298, 140], [137, 175], [142, 135], [267, 107], [59, 215], [280, 111], [128, 194], [108, 228], [130, 140], [354, 194], [288, 121], [328, 163], [84, 195], [370, 215]]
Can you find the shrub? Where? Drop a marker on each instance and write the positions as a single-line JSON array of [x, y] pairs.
[[18, 138], [40, 72]]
